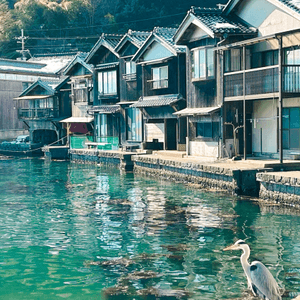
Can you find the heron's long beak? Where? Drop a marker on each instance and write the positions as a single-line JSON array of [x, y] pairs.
[[232, 247]]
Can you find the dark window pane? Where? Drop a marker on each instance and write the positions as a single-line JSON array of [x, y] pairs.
[[294, 138], [294, 117], [285, 118], [200, 131], [285, 139], [207, 130]]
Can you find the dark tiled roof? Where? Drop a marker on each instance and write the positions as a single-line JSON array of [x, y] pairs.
[[167, 35], [293, 4], [213, 19], [156, 101], [105, 109], [112, 39], [138, 37]]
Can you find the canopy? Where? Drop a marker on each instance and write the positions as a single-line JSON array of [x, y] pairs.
[[77, 120], [197, 111]]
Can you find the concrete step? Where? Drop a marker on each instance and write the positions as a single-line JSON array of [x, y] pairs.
[[170, 153]]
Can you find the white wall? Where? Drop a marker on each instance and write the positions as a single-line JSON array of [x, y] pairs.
[[264, 126], [201, 148], [267, 17]]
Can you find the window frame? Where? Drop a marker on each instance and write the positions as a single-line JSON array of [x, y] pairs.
[[212, 125], [104, 86], [159, 83], [203, 64]]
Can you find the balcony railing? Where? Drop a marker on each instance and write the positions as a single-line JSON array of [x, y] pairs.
[[262, 81], [80, 95], [258, 81], [37, 113], [291, 79]]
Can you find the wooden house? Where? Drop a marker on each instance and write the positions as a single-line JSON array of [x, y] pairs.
[[15, 77], [262, 78], [131, 124], [41, 106], [163, 90], [203, 31], [79, 124], [106, 91]]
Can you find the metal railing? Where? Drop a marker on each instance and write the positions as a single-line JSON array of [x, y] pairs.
[[291, 79], [257, 81], [37, 113]]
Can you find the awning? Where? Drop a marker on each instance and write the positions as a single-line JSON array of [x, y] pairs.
[[156, 101], [33, 97], [126, 102], [197, 111], [105, 109], [77, 120]]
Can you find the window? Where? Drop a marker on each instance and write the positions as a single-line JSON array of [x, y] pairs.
[[130, 67], [134, 124], [203, 65], [292, 57], [107, 83], [41, 103], [233, 60], [160, 77], [207, 129]]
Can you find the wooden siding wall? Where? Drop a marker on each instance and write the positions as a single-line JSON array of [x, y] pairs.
[[8, 115], [128, 88], [172, 78]]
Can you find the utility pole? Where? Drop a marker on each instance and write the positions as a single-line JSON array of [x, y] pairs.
[[21, 40]]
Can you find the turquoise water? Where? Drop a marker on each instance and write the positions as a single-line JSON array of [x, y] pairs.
[[72, 231]]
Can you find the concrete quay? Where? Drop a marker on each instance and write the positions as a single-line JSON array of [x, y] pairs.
[[267, 179]]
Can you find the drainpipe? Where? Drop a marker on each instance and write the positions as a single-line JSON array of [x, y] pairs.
[[220, 95], [244, 102], [279, 39]]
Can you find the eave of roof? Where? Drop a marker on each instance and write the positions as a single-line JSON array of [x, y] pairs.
[[157, 101], [105, 40]]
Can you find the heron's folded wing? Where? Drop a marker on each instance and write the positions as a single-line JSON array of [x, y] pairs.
[[263, 281]]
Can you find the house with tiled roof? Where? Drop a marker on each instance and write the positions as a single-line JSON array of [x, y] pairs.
[[261, 79], [106, 92], [131, 121], [203, 30], [79, 125], [41, 107], [163, 90], [15, 77]]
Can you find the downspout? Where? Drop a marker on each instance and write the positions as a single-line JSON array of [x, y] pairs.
[[244, 102], [220, 96], [279, 39]]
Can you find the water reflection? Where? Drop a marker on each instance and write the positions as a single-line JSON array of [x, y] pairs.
[[82, 232]]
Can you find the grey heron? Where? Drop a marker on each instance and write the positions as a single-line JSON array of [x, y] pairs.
[[260, 279]]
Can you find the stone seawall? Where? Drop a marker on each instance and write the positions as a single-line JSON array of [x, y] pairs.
[[121, 159], [280, 188], [206, 176]]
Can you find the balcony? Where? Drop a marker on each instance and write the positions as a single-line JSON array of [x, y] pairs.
[[37, 113], [262, 81], [291, 79], [81, 95]]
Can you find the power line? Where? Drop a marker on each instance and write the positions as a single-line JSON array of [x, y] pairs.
[[105, 25]]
